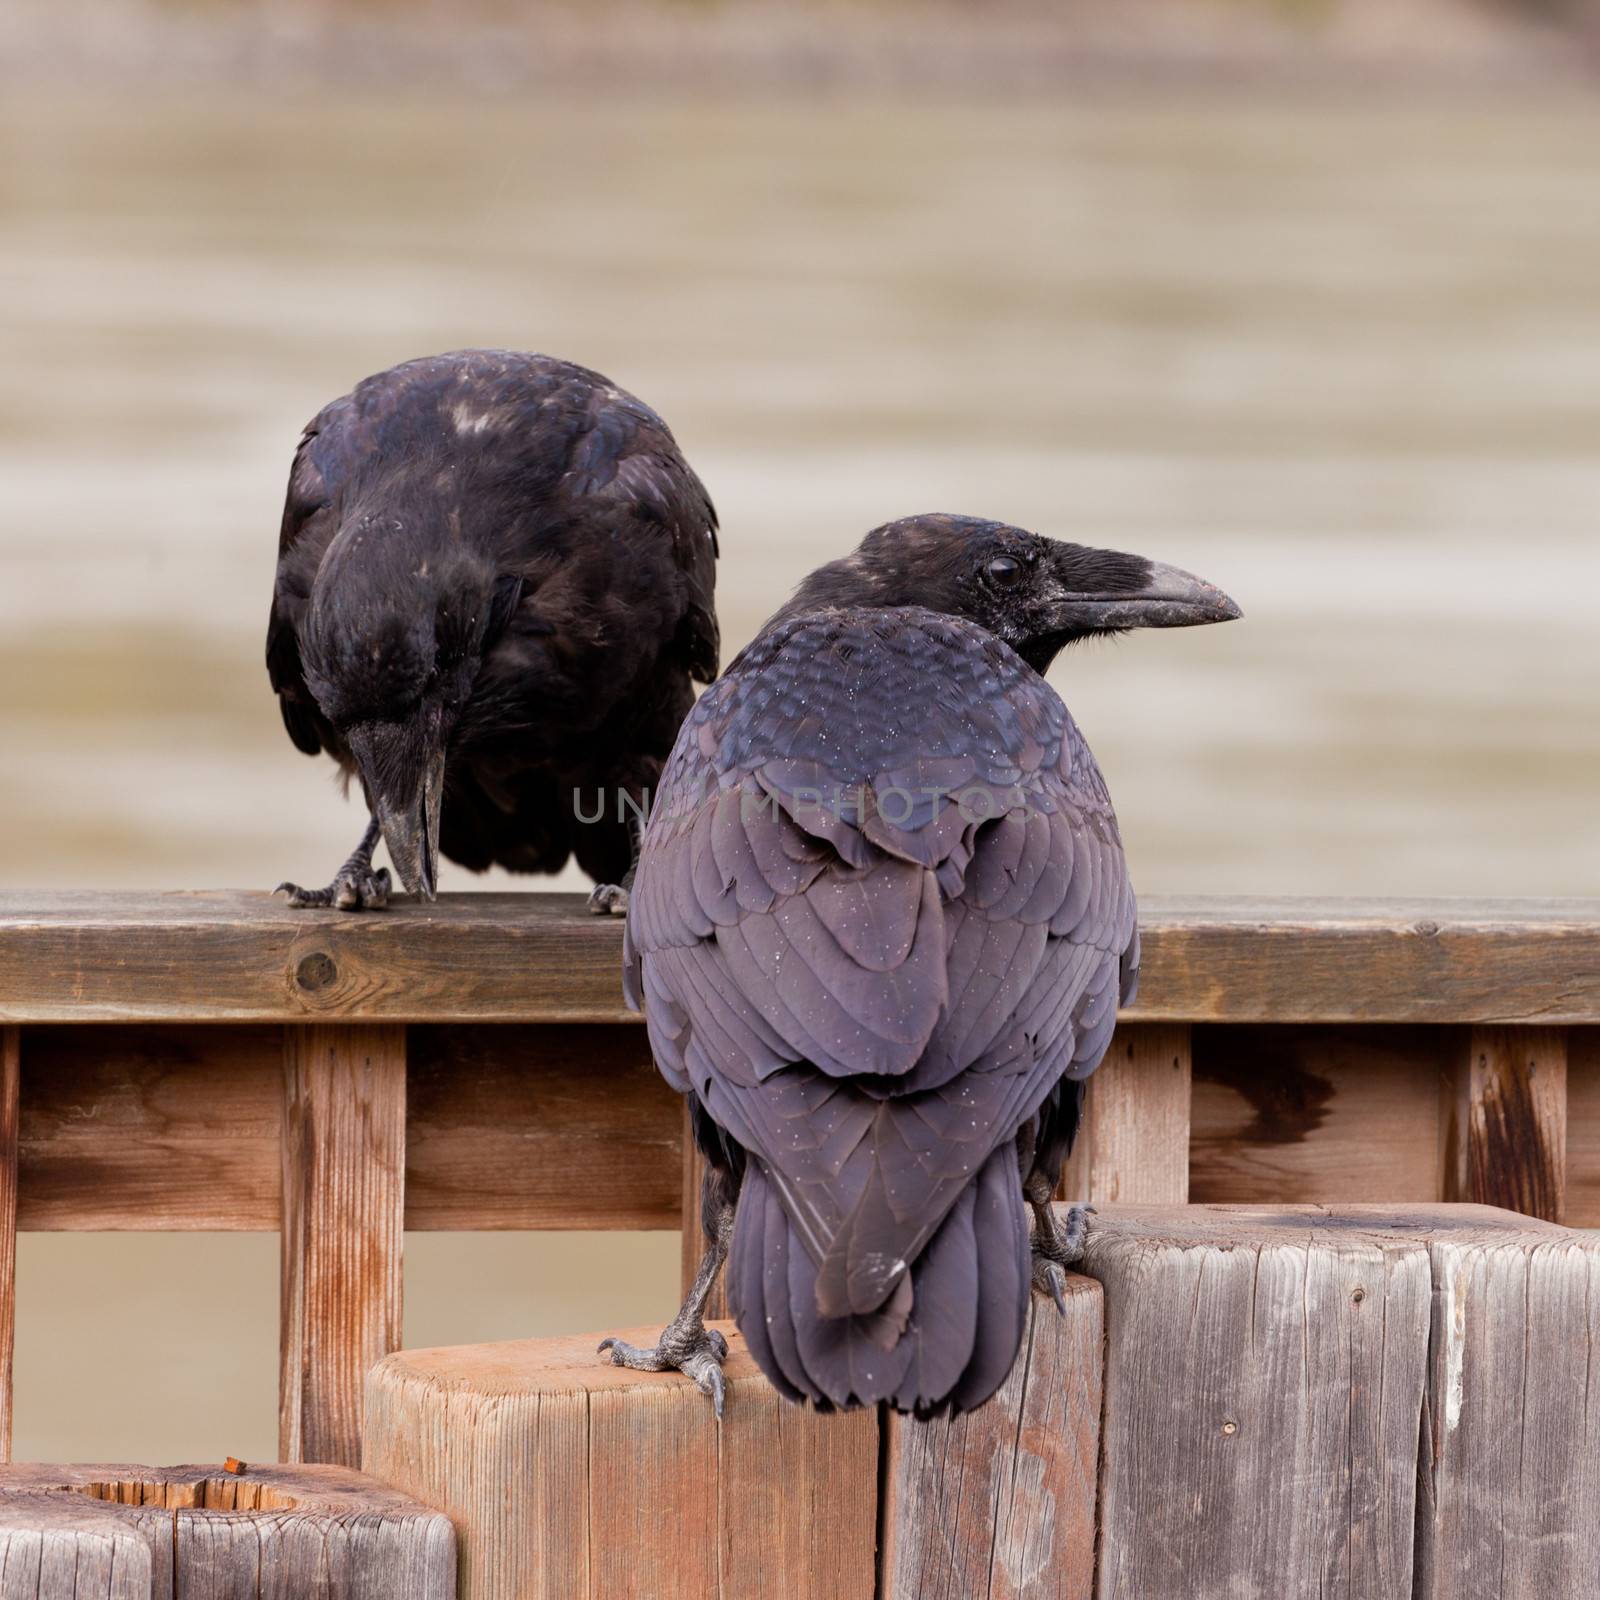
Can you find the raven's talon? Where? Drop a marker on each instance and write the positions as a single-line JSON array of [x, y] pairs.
[[1049, 1279], [698, 1355], [349, 891], [608, 900]]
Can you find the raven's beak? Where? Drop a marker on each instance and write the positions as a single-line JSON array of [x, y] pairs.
[[1168, 597], [402, 768]]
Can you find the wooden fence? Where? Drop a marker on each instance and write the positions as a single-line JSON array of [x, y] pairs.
[[214, 1061]]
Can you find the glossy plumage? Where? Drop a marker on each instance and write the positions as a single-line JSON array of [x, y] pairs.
[[524, 524], [880, 930]]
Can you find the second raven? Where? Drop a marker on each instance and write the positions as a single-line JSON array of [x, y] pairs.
[[494, 588]]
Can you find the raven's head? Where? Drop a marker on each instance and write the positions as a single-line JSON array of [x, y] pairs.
[[1037, 594], [391, 646]]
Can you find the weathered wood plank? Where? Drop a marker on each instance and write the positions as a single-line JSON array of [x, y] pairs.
[[539, 1127], [507, 1127], [627, 1487], [1316, 1114], [998, 1504], [152, 1128], [77, 1551], [268, 1533], [1133, 1148], [1583, 1127], [10, 1105], [343, 1230], [1503, 1121], [231, 956], [1264, 1379], [1510, 1479]]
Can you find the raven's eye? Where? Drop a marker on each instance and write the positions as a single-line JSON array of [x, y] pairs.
[[1003, 572]]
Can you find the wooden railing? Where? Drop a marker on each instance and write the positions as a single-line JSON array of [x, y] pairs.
[[218, 1062]]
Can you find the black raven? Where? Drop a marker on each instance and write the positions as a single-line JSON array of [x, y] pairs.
[[880, 930], [494, 587]]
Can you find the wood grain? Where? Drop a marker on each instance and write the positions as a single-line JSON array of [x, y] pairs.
[[162, 1128], [231, 956], [998, 1504], [1503, 1121], [269, 1533], [1316, 1114], [154, 1129], [1583, 1127], [10, 1098], [628, 1488], [1264, 1379], [1510, 1473], [343, 1228], [1133, 1148], [539, 1127], [74, 1551]]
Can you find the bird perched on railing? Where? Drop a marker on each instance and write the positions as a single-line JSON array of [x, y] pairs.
[[494, 588], [880, 930]]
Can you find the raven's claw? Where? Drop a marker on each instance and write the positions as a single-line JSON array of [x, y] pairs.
[[697, 1351], [1055, 1247], [608, 899], [359, 890]]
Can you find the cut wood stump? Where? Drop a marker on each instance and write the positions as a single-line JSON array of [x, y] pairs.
[[1510, 1470], [52, 1548], [1270, 1371], [572, 1479], [205, 1533], [998, 1504]]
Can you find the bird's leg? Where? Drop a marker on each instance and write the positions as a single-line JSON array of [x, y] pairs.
[[355, 886], [686, 1342], [611, 899], [1054, 1247]]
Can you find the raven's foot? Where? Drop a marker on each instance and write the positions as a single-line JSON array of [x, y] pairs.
[[608, 899], [694, 1350], [1056, 1247], [353, 889]]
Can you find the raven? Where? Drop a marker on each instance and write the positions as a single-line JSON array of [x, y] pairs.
[[880, 930], [494, 588]]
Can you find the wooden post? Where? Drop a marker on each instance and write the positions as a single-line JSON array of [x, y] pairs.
[[694, 1235], [1264, 1376], [344, 1148], [1510, 1474], [10, 1099], [58, 1547], [1503, 1121], [569, 1478], [1133, 1147], [998, 1504], [255, 1533]]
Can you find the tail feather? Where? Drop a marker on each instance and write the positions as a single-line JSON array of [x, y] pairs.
[[969, 1302]]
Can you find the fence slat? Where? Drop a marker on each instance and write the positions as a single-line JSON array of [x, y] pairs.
[[998, 1504], [10, 1117], [1503, 1124], [228, 956], [1133, 1148], [344, 1140]]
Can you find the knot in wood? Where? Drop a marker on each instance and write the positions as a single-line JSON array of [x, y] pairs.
[[316, 971]]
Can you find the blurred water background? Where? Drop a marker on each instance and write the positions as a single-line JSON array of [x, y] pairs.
[[1331, 341]]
